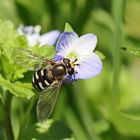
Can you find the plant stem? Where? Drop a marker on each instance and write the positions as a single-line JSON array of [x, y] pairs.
[[7, 117], [75, 125], [117, 11], [84, 112], [26, 117]]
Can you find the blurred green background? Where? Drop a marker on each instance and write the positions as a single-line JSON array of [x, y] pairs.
[[106, 107]]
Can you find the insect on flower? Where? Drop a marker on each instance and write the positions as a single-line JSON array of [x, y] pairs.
[[74, 59]]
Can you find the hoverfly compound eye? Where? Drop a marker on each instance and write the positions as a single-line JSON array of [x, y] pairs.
[[66, 60]]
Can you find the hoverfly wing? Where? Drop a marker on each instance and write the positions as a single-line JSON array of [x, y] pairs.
[[29, 59], [47, 100]]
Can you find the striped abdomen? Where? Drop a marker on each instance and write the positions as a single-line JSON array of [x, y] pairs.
[[41, 79]]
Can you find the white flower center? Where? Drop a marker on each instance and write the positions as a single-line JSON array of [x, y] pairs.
[[74, 56]]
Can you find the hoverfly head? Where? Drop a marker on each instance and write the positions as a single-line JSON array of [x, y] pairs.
[[69, 66]]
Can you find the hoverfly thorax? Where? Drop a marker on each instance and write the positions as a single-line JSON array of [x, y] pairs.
[[58, 71]]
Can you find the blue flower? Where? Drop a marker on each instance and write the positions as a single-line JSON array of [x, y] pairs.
[[33, 35], [79, 50]]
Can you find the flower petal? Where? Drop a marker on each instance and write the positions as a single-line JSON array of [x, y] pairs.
[[32, 39], [31, 33], [58, 58], [86, 44], [29, 30], [49, 38], [70, 79], [65, 43], [89, 67]]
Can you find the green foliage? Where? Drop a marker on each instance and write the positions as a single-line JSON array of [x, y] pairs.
[[9, 71], [9, 38], [45, 50], [68, 28], [100, 55], [132, 51], [17, 88], [50, 130], [106, 107]]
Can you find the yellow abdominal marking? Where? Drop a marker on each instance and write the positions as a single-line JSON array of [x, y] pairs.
[[46, 82], [40, 85], [42, 72], [33, 79], [36, 75]]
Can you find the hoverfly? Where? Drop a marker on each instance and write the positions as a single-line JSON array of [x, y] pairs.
[[47, 78]]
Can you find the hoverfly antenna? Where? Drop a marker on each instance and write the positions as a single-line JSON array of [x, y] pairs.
[[76, 64], [75, 60]]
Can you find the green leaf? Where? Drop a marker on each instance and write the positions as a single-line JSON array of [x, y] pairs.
[[103, 18], [132, 51], [17, 88], [21, 41], [47, 130], [68, 28], [75, 125], [124, 124], [101, 126], [100, 55], [47, 51], [9, 38]]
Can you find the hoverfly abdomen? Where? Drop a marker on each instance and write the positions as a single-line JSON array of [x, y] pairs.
[[41, 79]]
